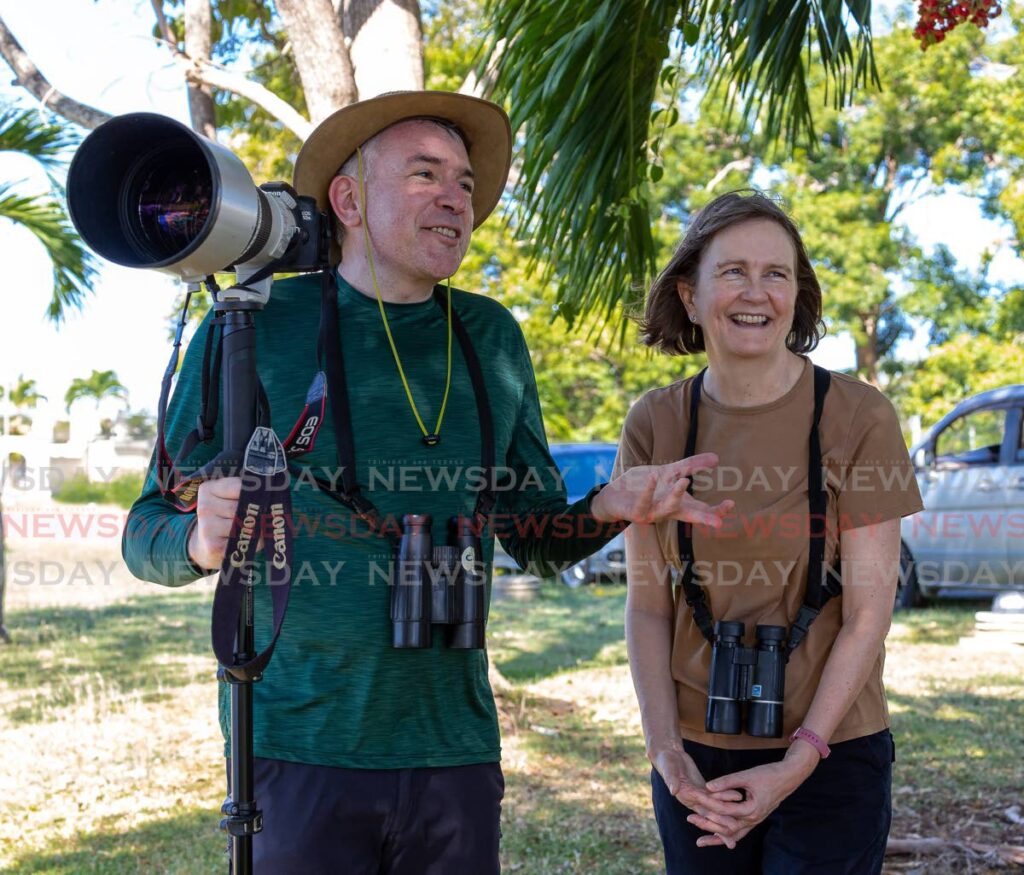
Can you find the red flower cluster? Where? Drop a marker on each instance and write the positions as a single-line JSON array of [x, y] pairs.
[[935, 18]]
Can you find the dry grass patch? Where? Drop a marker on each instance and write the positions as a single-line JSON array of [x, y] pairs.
[[111, 758]]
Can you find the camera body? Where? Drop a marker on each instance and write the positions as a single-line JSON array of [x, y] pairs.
[[746, 679], [312, 228], [438, 585]]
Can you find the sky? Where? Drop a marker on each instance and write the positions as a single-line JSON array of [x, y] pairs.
[[102, 53]]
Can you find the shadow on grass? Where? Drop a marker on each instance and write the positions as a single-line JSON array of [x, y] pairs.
[[145, 645], [582, 801], [560, 629], [961, 742], [941, 623], [571, 828], [188, 844]]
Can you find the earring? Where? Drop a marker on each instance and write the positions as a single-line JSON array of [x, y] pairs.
[[693, 318]]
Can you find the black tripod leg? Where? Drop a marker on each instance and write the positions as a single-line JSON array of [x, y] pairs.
[[238, 375]]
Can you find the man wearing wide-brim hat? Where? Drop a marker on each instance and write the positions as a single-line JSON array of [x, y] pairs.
[[372, 757]]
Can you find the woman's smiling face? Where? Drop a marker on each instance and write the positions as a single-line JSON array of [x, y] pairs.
[[746, 291]]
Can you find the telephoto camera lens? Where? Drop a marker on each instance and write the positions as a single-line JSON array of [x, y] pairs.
[[166, 202], [145, 191], [767, 683], [411, 591], [725, 681]]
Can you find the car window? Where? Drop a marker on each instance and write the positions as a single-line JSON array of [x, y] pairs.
[[1020, 438], [584, 470], [973, 439]]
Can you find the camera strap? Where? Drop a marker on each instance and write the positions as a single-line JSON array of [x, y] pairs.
[[819, 590], [329, 347], [264, 510]]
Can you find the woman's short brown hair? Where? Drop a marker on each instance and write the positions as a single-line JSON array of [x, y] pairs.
[[665, 323]]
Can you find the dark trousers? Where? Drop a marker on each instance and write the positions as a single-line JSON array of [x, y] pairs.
[[319, 820], [835, 823]]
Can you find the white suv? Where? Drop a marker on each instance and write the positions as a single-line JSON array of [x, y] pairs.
[[970, 469]]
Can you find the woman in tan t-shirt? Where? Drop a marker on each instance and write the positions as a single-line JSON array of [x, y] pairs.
[[741, 287]]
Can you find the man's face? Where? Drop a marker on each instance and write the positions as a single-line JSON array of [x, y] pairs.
[[419, 207]]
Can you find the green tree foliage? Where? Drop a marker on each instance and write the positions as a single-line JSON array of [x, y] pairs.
[[586, 378], [249, 34], [999, 116], [923, 134], [97, 386], [946, 118], [580, 79], [952, 300], [451, 33], [22, 395], [25, 132], [965, 365]]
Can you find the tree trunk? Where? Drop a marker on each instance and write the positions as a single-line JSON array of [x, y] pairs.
[[28, 77], [198, 22], [386, 45], [321, 56], [867, 352]]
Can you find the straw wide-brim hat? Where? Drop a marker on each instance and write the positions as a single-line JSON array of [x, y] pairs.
[[335, 139]]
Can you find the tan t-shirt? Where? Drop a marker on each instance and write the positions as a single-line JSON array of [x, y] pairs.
[[755, 566]]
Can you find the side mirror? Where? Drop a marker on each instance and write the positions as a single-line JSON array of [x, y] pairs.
[[924, 458]]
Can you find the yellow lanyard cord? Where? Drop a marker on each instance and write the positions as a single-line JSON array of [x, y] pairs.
[[387, 328]]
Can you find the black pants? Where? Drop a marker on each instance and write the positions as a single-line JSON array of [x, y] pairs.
[[835, 823], [319, 820]]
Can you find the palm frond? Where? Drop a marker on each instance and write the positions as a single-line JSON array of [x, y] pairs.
[[73, 266], [763, 50], [98, 385], [25, 131], [580, 80]]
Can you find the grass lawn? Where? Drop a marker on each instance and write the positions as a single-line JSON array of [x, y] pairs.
[[110, 756]]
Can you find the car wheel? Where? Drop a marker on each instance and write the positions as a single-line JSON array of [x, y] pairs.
[[577, 576], [908, 593]]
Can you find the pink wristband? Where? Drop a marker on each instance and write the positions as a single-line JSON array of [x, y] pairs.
[[813, 740]]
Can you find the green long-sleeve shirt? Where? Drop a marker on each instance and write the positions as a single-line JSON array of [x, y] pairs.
[[336, 693]]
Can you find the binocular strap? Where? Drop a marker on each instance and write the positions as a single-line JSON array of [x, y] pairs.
[[819, 590], [329, 349]]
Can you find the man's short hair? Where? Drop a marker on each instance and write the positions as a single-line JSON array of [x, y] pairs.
[[350, 166]]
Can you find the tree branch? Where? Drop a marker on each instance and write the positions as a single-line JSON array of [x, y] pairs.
[[1011, 854], [199, 72], [28, 77], [161, 23], [740, 164], [205, 73]]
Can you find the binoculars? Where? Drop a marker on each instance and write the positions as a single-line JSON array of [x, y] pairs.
[[751, 676], [442, 585]]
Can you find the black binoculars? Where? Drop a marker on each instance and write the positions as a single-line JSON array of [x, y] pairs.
[[755, 676], [442, 585]]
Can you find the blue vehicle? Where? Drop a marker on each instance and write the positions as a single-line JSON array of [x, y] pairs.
[[583, 466]]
